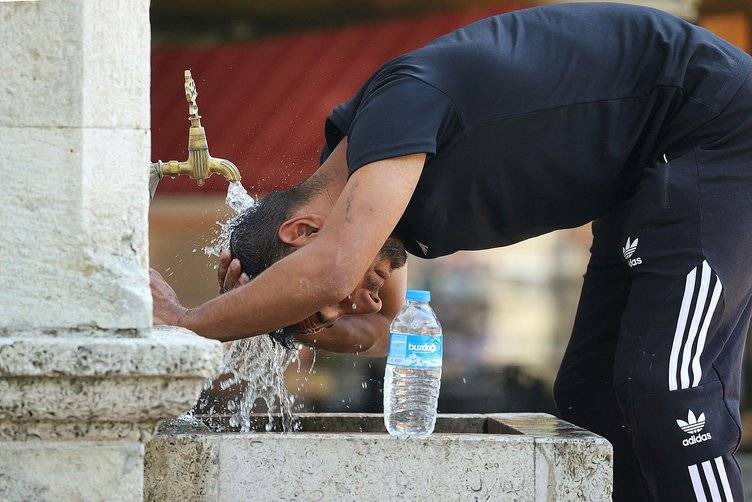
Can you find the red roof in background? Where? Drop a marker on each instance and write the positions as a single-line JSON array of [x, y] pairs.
[[263, 103]]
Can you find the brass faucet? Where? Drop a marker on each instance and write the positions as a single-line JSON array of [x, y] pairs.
[[200, 165]]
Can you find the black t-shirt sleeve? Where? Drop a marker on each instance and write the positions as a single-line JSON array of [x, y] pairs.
[[336, 126], [400, 117]]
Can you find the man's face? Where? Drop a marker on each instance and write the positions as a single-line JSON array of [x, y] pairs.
[[304, 226], [301, 229], [365, 298]]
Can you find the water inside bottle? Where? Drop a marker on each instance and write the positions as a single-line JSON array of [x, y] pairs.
[[413, 372]]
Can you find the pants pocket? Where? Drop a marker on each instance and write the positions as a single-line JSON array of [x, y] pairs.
[[683, 427]]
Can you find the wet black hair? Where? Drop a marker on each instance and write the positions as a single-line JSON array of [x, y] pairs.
[[255, 235], [255, 241]]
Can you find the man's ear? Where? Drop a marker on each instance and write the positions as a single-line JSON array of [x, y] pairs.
[[299, 231]]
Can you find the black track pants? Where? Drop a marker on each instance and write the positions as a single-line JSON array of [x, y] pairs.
[[654, 362]]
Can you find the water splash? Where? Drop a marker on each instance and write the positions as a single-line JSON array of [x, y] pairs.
[[239, 201], [257, 367], [253, 369], [237, 198]]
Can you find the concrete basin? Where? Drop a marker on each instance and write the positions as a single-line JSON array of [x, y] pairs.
[[507, 456]]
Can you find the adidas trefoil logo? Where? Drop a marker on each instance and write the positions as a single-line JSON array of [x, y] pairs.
[[629, 249], [693, 426], [423, 247]]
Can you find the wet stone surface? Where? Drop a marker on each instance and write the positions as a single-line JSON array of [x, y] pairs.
[[331, 423], [350, 457]]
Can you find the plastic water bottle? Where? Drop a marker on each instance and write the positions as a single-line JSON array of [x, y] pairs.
[[413, 368]]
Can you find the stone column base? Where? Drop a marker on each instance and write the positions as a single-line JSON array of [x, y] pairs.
[[68, 470], [76, 406]]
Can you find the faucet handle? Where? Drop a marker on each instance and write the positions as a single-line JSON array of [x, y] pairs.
[[191, 94]]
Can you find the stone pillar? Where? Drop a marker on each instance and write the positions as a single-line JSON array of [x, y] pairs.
[[84, 377]]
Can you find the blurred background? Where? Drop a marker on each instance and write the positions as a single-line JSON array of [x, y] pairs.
[[268, 73]]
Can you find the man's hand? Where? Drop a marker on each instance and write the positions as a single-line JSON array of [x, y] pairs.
[[167, 307], [364, 334], [229, 273], [230, 276]]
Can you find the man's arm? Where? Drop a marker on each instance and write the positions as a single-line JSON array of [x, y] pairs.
[[320, 273], [364, 334]]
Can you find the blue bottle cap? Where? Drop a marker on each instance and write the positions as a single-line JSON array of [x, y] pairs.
[[417, 295]]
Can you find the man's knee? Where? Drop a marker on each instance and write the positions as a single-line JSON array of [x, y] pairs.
[[561, 397], [568, 395], [590, 405]]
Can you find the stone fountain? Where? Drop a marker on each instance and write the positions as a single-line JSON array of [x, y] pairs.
[[506, 456]]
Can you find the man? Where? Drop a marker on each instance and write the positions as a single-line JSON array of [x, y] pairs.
[[549, 118], [282, 222]]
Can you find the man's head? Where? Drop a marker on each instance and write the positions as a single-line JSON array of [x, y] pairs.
[[285, 221], [256, 240]]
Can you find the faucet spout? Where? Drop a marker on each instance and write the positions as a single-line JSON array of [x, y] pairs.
[[225, 168], [200, 164]]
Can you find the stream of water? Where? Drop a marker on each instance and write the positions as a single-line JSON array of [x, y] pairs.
[[253, 369], [239, 201]]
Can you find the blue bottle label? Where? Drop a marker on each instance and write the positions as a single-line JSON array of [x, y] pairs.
[[415, 351]]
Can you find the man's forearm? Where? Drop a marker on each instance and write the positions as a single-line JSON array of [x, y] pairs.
[[285, 294], [365, 335]]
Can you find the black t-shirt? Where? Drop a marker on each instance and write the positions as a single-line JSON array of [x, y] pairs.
[[536, 120]]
